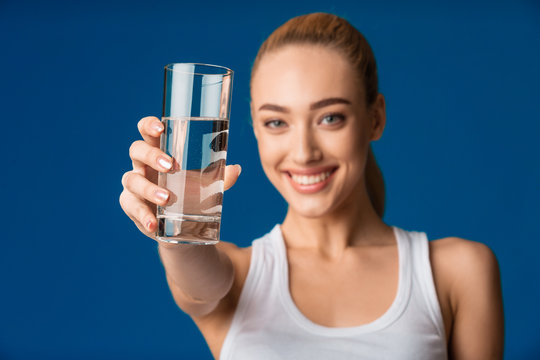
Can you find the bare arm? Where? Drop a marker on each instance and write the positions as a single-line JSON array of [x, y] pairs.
[[476, 301], [199, 275]]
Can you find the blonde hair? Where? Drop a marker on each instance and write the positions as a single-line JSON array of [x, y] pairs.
[[336, 33]]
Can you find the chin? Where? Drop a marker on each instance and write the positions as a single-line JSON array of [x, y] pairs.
[[310, 209], [312, 204]]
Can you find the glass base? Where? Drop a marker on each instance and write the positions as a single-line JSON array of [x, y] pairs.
[[185, 241], [188, 229]]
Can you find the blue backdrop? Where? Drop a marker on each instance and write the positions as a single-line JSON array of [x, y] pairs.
[[78, 280]]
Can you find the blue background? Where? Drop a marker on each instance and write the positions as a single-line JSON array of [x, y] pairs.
[[77, 279]]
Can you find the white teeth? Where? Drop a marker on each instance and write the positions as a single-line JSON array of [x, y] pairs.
[[311, 179]]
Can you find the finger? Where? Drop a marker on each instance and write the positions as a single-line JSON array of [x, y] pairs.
[[232, 172], [150, 128], [138, 211], [145, 189], [143, 153]]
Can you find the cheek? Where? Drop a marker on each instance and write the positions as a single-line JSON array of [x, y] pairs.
[[346, 146], [352, 151], [269, 154]]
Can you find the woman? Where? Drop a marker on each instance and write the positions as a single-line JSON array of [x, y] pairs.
[[333, 281]]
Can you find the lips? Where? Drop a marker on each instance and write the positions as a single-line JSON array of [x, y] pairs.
[[310, 181]]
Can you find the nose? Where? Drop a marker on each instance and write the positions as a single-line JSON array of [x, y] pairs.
[[305, 149]]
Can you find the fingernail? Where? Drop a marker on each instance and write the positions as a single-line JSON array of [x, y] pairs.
[[149, 225], [165, 163], [239, 170], [161, 195], [157, 127]]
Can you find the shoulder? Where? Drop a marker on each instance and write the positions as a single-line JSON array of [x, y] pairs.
[[467, 280], [240, 258], [233, 250], [461, 250], [463, 271], [462, 267], [462, 259]]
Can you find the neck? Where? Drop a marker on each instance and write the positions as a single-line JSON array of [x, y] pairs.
[[354, 223]]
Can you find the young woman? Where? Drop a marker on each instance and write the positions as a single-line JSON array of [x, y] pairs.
[[333, 281]]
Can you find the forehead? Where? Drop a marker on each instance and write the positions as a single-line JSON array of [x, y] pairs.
[[298, 75]]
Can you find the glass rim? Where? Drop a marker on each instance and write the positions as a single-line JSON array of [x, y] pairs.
[[227, 71]]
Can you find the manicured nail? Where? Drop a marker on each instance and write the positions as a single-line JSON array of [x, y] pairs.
[[161, 195], [149, 225], [165, 163], [157, 127]]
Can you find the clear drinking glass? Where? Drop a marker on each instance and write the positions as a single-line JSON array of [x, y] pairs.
[[196, 108]]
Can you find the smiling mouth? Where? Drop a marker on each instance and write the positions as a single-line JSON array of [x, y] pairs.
[[310, 179]]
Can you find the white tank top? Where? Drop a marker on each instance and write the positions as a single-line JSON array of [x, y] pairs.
[[267, 325]]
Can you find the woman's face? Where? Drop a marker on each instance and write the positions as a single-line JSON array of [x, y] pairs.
[[312, 126]]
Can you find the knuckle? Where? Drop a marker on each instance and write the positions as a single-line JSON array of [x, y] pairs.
[[127, 179], [133, 148], [140, 124], [122, 200], [124, 177]]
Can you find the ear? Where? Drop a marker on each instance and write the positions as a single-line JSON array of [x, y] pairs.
[[255, 132], [378, 117]]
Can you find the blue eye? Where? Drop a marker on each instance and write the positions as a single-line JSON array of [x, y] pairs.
[[332, 119], [274, 124]]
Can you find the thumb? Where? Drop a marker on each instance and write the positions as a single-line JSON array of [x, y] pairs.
[[231, 175]]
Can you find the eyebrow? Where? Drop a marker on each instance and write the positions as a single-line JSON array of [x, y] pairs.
[[326, 102], [316, 105], [274, 107]]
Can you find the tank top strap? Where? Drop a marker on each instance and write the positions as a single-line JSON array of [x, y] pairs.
[[268, 325], [392, 314], [259, 282], [423, 276]]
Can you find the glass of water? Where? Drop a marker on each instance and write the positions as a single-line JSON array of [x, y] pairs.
[[196, 108]]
